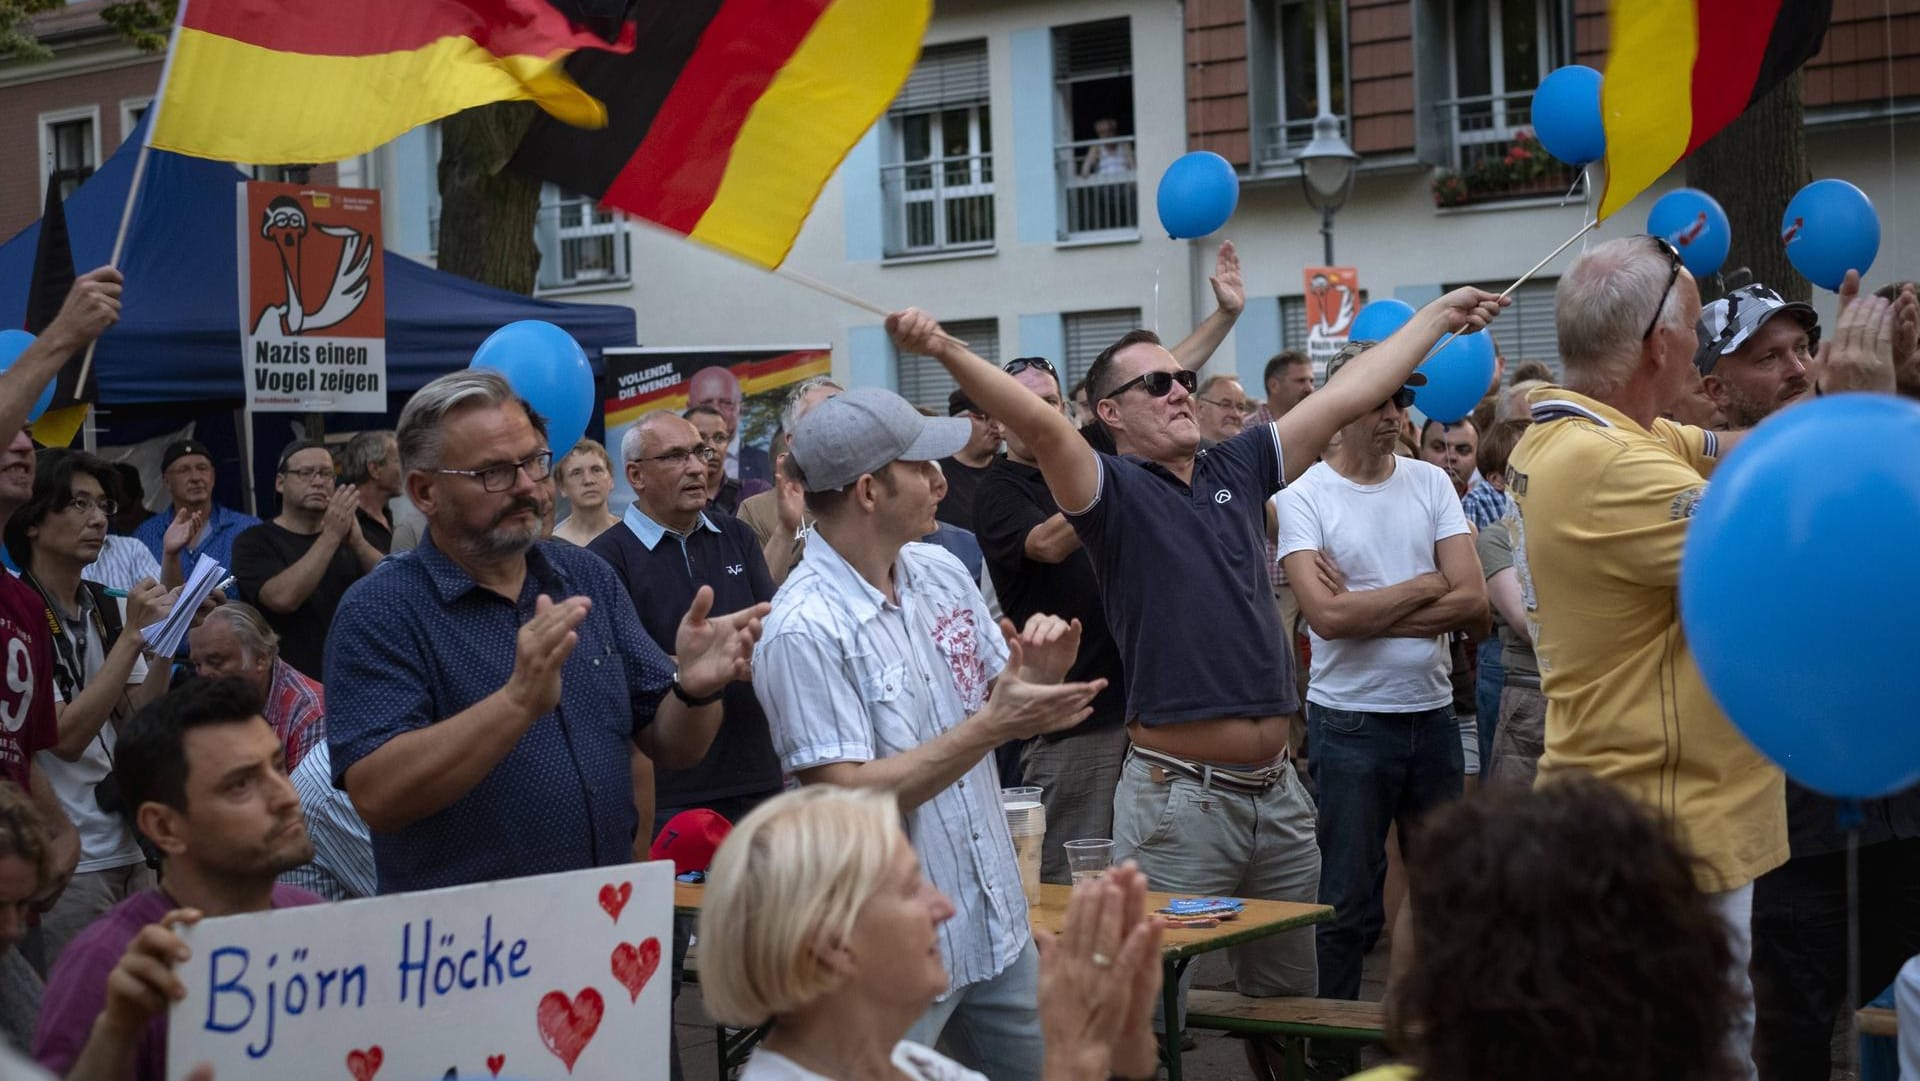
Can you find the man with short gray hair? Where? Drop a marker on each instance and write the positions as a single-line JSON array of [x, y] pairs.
[[488, 688], [371, 463], [235, 640]]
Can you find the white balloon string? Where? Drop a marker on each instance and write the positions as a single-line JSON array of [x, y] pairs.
[[1156, 298]]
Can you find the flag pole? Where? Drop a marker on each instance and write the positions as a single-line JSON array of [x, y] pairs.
[[1508, 291], [139, 174], [845, 297]]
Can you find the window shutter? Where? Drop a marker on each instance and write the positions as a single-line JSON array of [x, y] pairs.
[[1092, 51], [947, 76], [1526, 329], [925, 382], [1088, 333]]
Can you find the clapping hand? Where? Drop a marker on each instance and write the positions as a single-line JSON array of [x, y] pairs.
[[1048, 646], [716, 650], [1021, 709], [180, 532], [1099, 980], [1860, 355]]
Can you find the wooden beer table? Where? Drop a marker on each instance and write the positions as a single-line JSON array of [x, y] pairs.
[[1260, 919]]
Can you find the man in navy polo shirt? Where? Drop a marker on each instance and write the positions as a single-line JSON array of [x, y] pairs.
[[483, 728], [1208, 801]]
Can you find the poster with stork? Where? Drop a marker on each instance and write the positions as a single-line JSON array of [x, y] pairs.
[[313, 310]]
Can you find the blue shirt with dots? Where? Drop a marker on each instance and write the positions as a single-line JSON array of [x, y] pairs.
[[418, 641]]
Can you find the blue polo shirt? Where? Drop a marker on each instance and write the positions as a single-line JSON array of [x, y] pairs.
[[223, 524], [417, 641], [662, 571], [1183, 578]]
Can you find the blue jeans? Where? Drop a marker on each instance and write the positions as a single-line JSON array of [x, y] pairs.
[[1370, 770], [992, 1026], [1486, 697]]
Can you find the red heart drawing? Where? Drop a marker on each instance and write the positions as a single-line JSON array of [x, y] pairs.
[[364, 1064], [494, 1062], [615, 900], [634, 966], [566, 1026]]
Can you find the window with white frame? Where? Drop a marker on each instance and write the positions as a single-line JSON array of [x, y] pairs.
[[1093, 125], [1500, 50], [580, 243], [1088, 334], [132, 111], [937, 175], [924, 381], [69, 148], [1293, 28]]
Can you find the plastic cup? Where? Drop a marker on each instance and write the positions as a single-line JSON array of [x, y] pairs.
[[1090, 857], [1027, 823]]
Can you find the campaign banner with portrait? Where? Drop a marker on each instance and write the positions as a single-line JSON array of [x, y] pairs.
[[746, 385], [313, 305], [551, 976], [1333, 299]]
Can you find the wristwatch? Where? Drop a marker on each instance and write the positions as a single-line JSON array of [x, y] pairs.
[[681, 693]]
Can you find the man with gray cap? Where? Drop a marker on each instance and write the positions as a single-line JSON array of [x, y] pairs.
[[1750, 362], [875, 669]]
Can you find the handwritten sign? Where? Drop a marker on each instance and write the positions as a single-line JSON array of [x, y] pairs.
[[555, 976]]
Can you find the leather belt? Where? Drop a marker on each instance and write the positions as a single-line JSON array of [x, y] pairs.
[[1252, 782]]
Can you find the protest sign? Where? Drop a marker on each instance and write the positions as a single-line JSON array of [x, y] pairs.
[[1333, 298], [313, 308], [548, 977], [748, 386]]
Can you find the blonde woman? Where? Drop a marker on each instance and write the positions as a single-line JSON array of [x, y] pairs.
[[817, 917]]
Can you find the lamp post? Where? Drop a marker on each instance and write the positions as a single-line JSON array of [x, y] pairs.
[[1327, 166]]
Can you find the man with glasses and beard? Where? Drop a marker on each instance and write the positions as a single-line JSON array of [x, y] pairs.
[[1604, 489], [486, 690], [1208, 801], [295, 568]]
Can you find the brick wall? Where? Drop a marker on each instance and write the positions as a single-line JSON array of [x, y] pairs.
[[20, 109]]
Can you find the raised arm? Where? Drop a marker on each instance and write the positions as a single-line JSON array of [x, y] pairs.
[[1373, 376], [92, 306], [1231, 297], [1071, 468]]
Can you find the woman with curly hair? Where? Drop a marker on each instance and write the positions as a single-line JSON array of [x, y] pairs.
[[1558, 933]]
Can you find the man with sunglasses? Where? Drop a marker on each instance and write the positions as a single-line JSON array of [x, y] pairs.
[[295, 568], [486, 690], [1604, 490], [1208, 801]]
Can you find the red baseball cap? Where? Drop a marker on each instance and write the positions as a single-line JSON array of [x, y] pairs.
[[690, 839]]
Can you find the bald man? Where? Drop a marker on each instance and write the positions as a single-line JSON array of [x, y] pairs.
[[716, 387]]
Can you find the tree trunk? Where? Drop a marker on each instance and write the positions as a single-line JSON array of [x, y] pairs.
[[1754, 166], [487, 213]]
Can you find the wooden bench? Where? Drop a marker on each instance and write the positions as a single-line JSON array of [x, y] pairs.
[[1290, 1021]]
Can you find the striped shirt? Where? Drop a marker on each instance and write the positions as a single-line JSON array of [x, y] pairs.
[[848, 676], [122, 563], [296, 708], [342, 867]]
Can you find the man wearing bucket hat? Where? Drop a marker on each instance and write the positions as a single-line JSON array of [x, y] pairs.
[[1752, 362], [875, 669]]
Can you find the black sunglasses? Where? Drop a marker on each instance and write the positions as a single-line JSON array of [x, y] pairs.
[[1158, 384], [1021, 364], [1673, 257], [1402, 398]]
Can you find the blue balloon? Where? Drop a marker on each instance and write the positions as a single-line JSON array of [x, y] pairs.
[[1693, 222], [1379, 319], [1457, 378], [1829, 228], [1197, 194], [12, 344], [548, 368], [1566, 115], [1827, 490]]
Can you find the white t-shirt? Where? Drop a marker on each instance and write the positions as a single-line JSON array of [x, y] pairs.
[[917, 1062], [106, 841], [1380, 535]]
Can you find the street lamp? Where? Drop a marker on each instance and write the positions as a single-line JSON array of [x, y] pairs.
[[1327, 165]]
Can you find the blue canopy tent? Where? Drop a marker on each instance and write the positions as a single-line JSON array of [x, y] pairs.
[[178, 340]]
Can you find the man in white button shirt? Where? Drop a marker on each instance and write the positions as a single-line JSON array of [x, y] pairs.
[[875, 668]]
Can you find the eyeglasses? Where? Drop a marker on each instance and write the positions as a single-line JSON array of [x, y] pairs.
[[86, 505], [1673, 257], [1157, 384], [1402, 398], [677, 457], [499, 478], [317, 472], [1238, 407], [1021, 364]]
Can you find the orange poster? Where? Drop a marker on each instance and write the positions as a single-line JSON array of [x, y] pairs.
[[1333, 299], [313, 309]]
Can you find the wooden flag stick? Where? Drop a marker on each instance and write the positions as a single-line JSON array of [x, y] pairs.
[[845, 297], [119, 248], [1508, 291]]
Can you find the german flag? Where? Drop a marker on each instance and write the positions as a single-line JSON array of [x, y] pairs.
[[1680, 70], [277, 81], [728, 117]]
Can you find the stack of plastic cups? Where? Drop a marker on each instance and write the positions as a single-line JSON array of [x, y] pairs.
[[1027, 822]]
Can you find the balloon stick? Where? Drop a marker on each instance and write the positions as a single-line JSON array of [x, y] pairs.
[[1508, 291], [845, 297]]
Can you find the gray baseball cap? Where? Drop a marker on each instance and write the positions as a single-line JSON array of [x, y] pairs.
[[862, 430]]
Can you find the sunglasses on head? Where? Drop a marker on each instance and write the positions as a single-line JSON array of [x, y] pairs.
[[1157, 384], [1673, 257], [1021, 364]]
